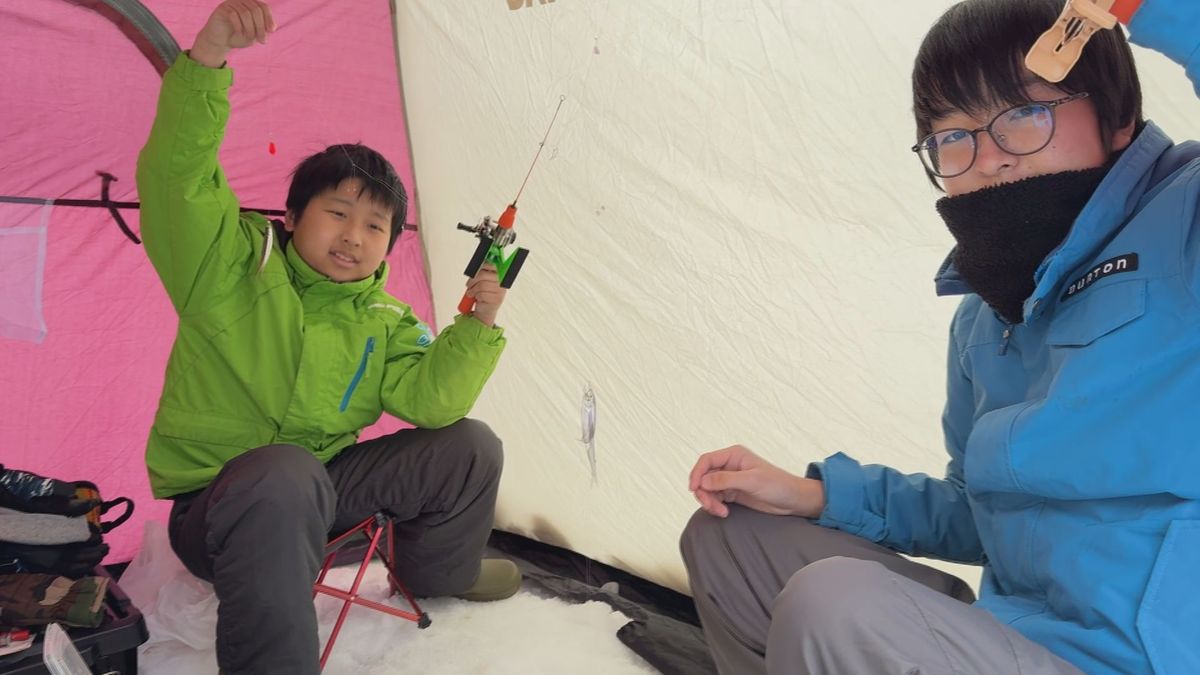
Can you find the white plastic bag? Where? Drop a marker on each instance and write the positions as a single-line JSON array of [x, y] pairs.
[[177, 606]]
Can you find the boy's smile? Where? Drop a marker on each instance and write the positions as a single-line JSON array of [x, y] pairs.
[[345, 260]]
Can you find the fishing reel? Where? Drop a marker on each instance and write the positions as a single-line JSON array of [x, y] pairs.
[[494, 237], [489, 229]]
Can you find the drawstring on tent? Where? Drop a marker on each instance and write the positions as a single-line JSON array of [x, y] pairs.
[[114, 208], [105, 179]]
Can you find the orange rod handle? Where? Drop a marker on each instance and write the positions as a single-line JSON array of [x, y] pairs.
[[466, 305]]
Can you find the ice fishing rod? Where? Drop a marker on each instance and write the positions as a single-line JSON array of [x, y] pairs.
[[496, 235]]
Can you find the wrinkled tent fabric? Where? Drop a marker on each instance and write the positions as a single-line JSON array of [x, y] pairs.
[[78, 98], [730, 240]]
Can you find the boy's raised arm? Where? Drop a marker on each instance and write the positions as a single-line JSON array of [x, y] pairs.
[[188, 212], [1171, 27]]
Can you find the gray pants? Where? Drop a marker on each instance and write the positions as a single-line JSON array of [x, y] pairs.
[[778, 594], [258, 531]]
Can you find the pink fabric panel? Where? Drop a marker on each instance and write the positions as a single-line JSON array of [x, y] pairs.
[[79, 97], [79, 405]]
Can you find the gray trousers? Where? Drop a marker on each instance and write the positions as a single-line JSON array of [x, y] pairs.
[[258, 531], [778, 594]]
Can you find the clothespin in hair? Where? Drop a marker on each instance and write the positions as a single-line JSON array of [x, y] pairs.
[[1058, 49]]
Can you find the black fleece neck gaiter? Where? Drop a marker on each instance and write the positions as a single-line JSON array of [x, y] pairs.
[[1005, 231]]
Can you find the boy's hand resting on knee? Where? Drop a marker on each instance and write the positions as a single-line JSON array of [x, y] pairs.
[[234, 24], [738, 476]]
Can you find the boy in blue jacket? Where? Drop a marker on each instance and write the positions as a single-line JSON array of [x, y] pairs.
[[1074, 371]]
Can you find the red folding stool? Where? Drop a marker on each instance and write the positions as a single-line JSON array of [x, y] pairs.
[[372, 529]]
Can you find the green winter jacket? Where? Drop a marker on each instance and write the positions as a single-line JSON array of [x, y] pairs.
[[284, 355]]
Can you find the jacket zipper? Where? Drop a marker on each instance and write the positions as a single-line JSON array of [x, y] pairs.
[[1007, 335], [362, 368]]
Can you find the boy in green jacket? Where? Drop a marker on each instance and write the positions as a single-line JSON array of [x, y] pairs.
[[287, 348]]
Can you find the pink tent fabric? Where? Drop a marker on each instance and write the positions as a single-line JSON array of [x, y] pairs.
[[85, 327]]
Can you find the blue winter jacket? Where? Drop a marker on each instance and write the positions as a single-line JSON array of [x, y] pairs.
[[1074, 437]]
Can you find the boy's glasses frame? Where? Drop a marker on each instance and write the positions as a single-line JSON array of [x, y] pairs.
[[998, 139]]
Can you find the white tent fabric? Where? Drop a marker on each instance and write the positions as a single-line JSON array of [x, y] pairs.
[[730, 241]]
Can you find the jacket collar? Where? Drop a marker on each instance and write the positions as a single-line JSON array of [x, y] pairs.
[[307, 280], [1147, 160]]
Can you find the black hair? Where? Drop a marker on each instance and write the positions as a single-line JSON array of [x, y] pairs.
[[333, 165], [973, 60]]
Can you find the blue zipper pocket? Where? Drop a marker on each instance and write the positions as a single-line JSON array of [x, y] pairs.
[[362, 368]]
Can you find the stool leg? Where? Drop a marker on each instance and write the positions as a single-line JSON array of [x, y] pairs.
[[391, 547], [394, 584], [324, 570], [362, 570], [373, 530]]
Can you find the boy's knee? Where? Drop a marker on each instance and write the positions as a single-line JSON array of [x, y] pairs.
[[739, 532], [832, 596], [716, 550], [286, 479], [703, 534], [480, 445]]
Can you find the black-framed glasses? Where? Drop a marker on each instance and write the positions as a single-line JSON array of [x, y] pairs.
[[1020, 130]]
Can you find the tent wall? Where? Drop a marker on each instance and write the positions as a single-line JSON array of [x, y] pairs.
[[79, 97], [731, 241]]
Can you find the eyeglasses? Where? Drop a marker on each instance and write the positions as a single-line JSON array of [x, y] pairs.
[[1020, 130]]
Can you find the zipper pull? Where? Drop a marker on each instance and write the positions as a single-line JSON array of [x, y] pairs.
[[358, 375], [369, 351], [1007, 335]]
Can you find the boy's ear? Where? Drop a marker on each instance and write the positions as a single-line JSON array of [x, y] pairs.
[[289, 221], [1121, 138]]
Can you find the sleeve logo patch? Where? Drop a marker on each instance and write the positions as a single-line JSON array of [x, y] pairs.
[[426, 337]]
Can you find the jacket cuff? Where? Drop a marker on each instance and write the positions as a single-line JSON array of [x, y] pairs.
[[198, 77], [844, 490], [467, 327]]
